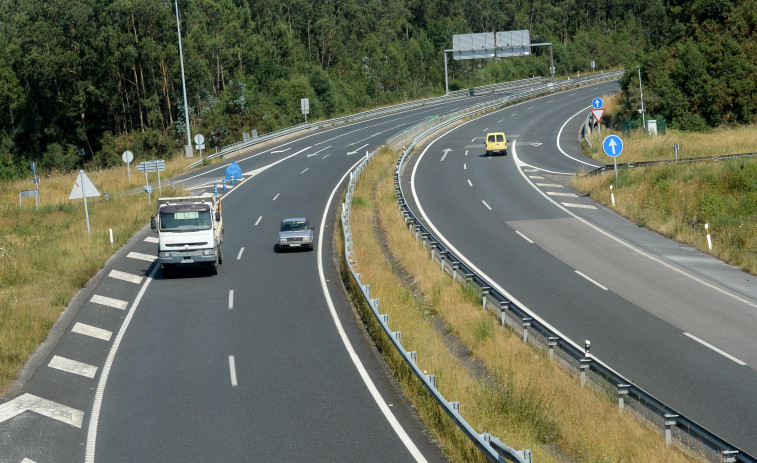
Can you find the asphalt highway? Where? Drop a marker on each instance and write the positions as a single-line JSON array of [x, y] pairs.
[[675, 321], [264, 362]]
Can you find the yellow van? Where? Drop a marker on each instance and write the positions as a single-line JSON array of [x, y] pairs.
[[496, 142]]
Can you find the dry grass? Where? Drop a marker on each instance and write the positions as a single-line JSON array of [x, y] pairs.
[[678, 199], [529, 402], [639, 147], [46, 256]]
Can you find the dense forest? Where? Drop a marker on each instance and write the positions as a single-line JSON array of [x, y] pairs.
[[81, 81]]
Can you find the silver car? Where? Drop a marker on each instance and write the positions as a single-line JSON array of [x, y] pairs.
[[295, 233]]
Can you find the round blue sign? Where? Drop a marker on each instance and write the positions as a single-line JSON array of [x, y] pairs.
[[597, 103], [612, 145], [148, 189]]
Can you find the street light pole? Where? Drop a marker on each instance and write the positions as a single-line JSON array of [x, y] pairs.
[[642, 110], [188, 146]]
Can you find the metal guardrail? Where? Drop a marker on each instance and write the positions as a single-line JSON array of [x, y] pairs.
[[493, 88], [492, 448], [676, 426]]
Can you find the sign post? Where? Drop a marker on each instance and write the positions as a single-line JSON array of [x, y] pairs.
[[36, 183], [199, 143], [128, 156], [84, 187], [613, 146], [305, 105], [152, 166]]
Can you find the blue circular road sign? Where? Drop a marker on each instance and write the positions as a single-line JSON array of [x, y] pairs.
[[612, 145], [597, 103], [148, 189]]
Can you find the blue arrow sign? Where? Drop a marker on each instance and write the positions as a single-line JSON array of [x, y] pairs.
[[612, 145], [597, 103], [148, 189]]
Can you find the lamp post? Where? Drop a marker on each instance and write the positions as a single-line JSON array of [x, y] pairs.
[[188, 146], [641, 93]]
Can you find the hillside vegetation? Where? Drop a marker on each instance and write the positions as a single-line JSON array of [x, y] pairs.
[[81, 82]]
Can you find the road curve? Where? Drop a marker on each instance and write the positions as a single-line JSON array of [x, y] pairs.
[[675, 321]]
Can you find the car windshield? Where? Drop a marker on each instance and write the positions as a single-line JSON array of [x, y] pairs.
[[185, 221], [295, 226]]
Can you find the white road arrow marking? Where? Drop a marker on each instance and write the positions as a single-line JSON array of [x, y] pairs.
[[316, 153], [353, 152], [446, 151], [48, 408]]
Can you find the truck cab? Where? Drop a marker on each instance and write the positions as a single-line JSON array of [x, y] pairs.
[[189, 232]]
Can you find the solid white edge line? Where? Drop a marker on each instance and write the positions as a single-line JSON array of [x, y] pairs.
[[94, 418], [233, 371], [590, 280], [710, 346], [395, 424], [628, 245], [524, 237]]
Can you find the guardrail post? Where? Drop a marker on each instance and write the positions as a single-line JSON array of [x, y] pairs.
[[622, 391], [455, 267], [670, 421], [385, 318], [433, 250], [484, 292], [413, 354], [552, 344], [442, 254], [417, 231], [425, 236], [431, 379], [398, 336], [503, 306], [526, 323], [585, 364], [367, 290], [375, 304], [729, 456], [455, 406]]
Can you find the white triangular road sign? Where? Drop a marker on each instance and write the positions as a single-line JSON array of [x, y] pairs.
[[598, 113], [89, 187]]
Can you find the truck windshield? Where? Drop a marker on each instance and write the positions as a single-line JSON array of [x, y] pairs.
[[185, 221]]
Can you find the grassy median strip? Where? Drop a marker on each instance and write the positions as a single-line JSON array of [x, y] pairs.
[[46, 256], [505, 388]]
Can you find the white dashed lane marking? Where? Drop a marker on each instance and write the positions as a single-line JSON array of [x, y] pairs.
[[566, 195], [141, 256], [92, 331], [550, 185], [109, 301], [152, 239], [579, 206], [72, 366], [130, 277]]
